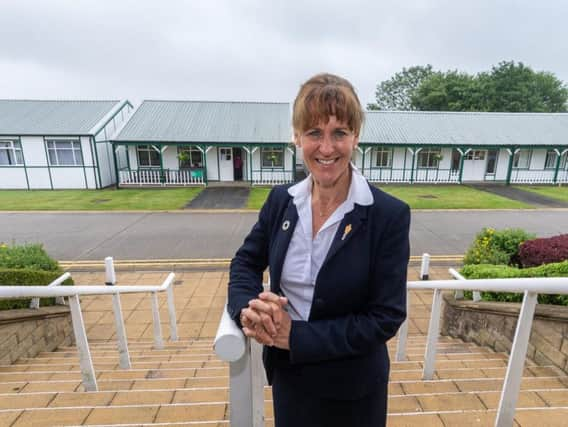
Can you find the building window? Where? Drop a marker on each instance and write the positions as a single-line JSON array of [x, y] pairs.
[[521, 159], [11, 153], [564, 161], [64, 152], [550, 162], [429, 158], [383, 157], [148, 156], [475, 155], [190, 157], [272, 157]]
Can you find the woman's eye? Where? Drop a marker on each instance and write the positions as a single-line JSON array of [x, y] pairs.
[[340, 133], [314, 133]]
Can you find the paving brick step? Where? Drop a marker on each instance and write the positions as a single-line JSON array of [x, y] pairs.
[[413, 373], [112, 364], [398, 403], [207, 414]]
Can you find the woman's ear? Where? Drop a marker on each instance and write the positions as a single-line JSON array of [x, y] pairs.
[[297, 141]]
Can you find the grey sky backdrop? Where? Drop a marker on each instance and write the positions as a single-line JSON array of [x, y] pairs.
[[260, 50]]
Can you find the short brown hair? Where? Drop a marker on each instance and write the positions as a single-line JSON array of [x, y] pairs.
[[326, 95]]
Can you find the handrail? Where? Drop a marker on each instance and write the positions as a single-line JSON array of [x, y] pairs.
[[531, 287], [34, 303], [245, 372], [73, 292], [246, 386], [459, 292]]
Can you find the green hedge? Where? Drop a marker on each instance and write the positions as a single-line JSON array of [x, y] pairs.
[[31, 256], [27, 277], [488, 271]]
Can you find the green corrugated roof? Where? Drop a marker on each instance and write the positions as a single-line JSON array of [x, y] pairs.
[[445, 128], [35, 117], [205, 121]]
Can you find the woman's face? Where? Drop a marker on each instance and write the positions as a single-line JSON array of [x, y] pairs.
[[327, 150]]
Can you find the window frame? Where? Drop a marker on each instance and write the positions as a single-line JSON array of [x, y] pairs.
[[277, 150], [554, 159], [379, 153], [76, 150], [517, 158], [14, 152], [191, 150], [145, 149], [433, 155]]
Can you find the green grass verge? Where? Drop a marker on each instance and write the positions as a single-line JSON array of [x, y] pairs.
[[97, 200], [257, 197], [426, 197], [450, 197], [554, 192]]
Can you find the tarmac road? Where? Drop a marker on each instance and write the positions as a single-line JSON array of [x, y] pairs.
[[217, 234]]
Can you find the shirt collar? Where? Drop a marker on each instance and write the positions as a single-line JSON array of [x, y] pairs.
[[359, 191]]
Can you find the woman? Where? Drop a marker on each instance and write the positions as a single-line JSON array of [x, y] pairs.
[[337, 249]]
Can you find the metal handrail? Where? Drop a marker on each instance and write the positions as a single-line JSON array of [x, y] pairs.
[[246, 390], [34, 303], [73, 292]]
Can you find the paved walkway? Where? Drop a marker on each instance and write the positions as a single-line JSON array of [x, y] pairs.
[[519, 195], [220, 198]]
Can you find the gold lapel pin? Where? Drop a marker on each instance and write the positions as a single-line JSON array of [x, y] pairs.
[[346, 231]]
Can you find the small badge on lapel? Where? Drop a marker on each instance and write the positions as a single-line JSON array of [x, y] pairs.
[[346, 231], [285, 225]]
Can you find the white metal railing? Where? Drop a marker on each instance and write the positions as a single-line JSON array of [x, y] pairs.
[[246, 387], [73, 293], [161, 177], [34, 303], [272, 177]]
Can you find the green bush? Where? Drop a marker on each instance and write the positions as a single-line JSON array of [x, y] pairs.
[[484, 271], [31, 256], [496, 246], [27, 277]]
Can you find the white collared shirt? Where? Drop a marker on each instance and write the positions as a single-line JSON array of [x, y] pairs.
[[305, 255]]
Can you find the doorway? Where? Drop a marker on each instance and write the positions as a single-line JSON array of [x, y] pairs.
[[226, 168]]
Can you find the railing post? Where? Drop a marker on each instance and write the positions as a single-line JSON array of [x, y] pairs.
[[85, 361], [158, 341], [432, 340], [172, 313], [123, 355], [246, 396], [403, 333], [514, 375], [425, 267], [110, 275]]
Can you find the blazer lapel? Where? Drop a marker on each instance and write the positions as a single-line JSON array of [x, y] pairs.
[[281, 243], [348, 228]]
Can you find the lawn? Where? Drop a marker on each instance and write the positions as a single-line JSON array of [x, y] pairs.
[[554, 192], [427, 197], [257, 197], [97, 200]]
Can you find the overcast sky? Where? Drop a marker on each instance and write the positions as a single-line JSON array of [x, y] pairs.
[[260, 50]]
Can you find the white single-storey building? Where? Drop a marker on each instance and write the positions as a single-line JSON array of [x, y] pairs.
[[447, 147], [194, 142], [58, 144]]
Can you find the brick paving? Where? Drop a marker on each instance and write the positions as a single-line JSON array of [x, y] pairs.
[[185, 384]]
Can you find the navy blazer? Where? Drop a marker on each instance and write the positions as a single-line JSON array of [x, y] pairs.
[[359, 298]]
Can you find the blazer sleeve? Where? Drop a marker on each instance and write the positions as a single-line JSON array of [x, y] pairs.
[[249, 263], [359, 333]]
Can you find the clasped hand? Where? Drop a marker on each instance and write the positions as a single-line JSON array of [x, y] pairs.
[[266, 320]]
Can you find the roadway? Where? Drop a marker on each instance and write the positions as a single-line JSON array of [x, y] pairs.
[[190, 235]]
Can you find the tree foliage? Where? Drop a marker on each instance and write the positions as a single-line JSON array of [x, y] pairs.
[[509, 86], [396, 93]]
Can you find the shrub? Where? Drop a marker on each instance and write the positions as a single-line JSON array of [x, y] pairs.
[[496, 246], [544, 251], [483, 271], [31, 256], [27, 277]]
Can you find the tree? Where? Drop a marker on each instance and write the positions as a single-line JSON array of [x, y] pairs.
[[509, 86], [396, 93]]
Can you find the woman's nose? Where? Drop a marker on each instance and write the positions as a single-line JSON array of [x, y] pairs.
[[326, 145]]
